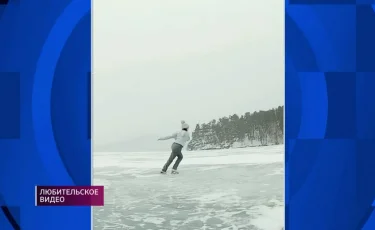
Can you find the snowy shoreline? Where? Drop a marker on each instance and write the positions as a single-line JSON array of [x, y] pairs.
[[233, 147]]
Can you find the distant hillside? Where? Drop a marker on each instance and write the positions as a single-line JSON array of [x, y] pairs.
[[146, 143], [251, 129]]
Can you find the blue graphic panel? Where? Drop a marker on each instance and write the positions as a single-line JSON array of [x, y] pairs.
[[330, 115], [10, 103], [311, 2], [365, 38], [341, 90], [45, 101], [365, 105]]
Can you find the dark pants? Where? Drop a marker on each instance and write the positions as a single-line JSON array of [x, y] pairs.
[[176, 152]]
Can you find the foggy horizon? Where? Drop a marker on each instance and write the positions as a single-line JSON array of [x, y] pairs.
[[156, 135]]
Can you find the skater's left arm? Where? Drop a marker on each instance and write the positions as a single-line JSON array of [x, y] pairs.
[[188, 136]]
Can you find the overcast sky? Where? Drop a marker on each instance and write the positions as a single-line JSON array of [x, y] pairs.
[[157, 62]]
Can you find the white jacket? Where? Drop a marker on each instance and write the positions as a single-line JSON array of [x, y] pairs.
[[180, 137]]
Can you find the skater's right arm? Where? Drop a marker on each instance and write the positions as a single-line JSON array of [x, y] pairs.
[[174, 135]]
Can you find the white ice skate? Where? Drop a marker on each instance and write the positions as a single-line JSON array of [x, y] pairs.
[[174, 171]]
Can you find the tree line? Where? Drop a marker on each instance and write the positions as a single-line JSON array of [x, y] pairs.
[[260, 128]]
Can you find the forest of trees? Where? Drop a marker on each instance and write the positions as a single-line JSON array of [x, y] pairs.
[[251, 129]]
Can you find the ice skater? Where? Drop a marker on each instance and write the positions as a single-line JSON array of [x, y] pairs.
[[181, 138]]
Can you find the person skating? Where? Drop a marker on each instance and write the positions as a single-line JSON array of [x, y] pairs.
[[181, 138]]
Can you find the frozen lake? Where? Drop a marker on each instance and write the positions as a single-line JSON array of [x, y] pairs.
[[218, 189]]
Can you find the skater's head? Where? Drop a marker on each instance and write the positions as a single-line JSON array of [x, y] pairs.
[[184, 126]]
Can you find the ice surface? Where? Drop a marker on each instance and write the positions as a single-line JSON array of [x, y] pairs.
[[219, 189]]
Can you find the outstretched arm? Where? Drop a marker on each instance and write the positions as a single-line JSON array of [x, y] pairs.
[[168, 137]]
